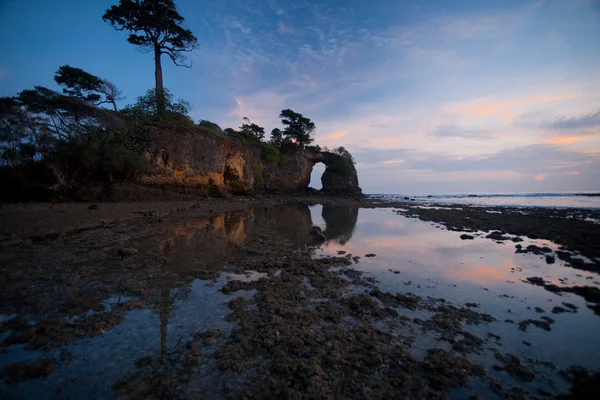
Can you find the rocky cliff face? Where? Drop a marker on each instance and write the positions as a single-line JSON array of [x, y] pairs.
[[192, 160]]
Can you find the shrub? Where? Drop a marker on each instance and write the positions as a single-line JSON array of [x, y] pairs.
[[270, 152]]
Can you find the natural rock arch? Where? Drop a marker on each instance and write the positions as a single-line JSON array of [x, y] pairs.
[[339, 178]]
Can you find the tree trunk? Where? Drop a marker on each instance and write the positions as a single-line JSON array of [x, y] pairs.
[[160, 93]]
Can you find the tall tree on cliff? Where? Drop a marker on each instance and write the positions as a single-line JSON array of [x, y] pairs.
[[298, 128], [154, 25]]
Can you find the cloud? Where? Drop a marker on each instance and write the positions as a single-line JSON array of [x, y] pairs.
[[456, 132], [505, 109], [540, 177], [572, 123], [393, 162], [284, 29], [336, 135]]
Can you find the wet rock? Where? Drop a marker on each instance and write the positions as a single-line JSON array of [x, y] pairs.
[[341, 252], [584, 385], [544, 324], [467, 237], [595, 308], [497, 235], [370, 255], [526, 343], [516, 239], [22, 371], [539, 310], [550, 259], [544, 392], [447, 370], [559, 310], [473, 305], [127, 251], [129, 305], [548, 319], [234, 286], [93, 207], [237, 303], [512, 365], [536, 280], [210, 337], [532, 248]]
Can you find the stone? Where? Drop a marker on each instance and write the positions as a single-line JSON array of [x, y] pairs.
[[127, 251]]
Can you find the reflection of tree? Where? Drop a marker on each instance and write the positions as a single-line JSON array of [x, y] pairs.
[[293, 221], [164, 306], [340, 222]]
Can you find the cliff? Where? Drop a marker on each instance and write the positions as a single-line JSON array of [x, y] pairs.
[[195, 160]]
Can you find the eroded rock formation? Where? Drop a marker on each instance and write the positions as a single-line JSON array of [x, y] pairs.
[[192, 160]]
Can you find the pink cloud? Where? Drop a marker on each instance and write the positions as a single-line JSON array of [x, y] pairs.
[[336, 135]]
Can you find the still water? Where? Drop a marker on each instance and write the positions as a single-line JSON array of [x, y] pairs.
[[410, 256]]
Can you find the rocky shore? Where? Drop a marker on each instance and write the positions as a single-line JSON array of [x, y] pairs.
[[302, 325]]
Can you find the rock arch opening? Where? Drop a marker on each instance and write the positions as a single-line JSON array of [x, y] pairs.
[[315, 176]]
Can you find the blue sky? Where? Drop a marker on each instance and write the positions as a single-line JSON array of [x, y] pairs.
[[429, 96]]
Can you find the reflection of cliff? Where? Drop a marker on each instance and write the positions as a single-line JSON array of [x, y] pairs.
[[293, 221], [207, 239], [340, 222]]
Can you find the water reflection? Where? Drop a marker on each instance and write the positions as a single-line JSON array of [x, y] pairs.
[[340, 222], [418, 257], [293, 221]]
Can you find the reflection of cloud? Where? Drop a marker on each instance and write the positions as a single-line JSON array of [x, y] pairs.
[[540, 177], [483, 273], [395, 223]]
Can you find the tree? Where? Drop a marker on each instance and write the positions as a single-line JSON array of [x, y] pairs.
[[154, 25], [111, 93], [146, 107], [87, 87], [341, 151], [277, 137], [250, 127], [298, 128]]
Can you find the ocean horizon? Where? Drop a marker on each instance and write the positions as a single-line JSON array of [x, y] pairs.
[[566, 199]]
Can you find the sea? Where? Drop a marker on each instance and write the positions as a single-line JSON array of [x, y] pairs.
[[590, 200]]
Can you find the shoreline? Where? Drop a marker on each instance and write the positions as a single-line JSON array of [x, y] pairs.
[[297, 328]]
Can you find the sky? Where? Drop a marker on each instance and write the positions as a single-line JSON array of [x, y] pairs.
[[430, 96]]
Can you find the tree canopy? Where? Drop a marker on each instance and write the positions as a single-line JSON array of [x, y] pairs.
[[298, 129], [154, 25], [251, 127], [87, 87], [145, 107]]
